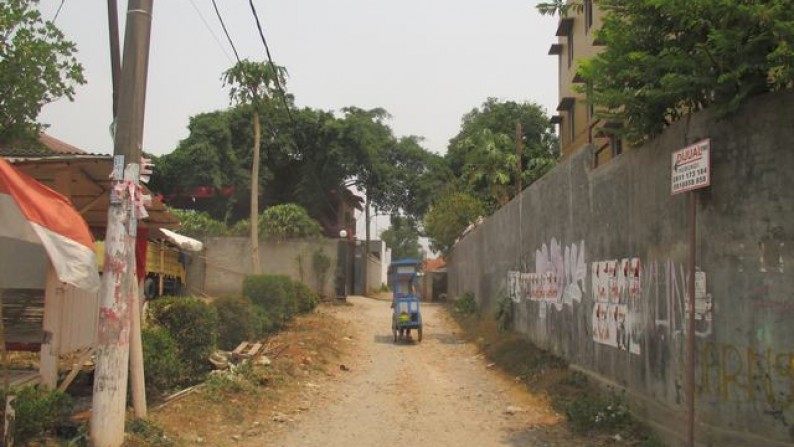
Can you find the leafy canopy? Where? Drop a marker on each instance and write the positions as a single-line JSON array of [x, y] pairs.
[[483, 154], [448, 218], [37, 66], [251, 82], [664, 59], [403, 238]]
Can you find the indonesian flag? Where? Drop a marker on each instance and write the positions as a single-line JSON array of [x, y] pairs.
[[32, 212]]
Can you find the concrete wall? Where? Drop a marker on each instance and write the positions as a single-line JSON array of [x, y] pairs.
[[595, 261], [225, 261]]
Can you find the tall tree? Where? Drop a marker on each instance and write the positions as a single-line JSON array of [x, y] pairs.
[[252, 84], [664, 59], [483, 154], [402, 237], [448, 218], [37, 66]]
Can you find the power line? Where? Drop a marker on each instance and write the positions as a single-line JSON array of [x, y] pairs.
[[55, 17], [225, 31], [207, 26], [270, 59]]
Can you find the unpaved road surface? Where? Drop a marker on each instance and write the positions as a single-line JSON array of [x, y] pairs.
[[436, 393]]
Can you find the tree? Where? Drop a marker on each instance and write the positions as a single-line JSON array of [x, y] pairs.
[[483, 154], [448, 218], [37, 66], [416, 176], [402, 238], [288, 221], [665, 59], [252, 84]]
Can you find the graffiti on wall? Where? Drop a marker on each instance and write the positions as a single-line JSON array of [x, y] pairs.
[[617, 291], [747, 374], [559, 278], [666, 285]]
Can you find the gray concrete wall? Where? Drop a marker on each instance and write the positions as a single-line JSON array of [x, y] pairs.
[[225, 261], [596, 264]]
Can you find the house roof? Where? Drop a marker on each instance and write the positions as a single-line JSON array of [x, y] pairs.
[[47, 146], [84, 180], [434, 265]]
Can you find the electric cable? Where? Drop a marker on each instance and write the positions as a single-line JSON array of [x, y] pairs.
[[225, 31], [214, 36]]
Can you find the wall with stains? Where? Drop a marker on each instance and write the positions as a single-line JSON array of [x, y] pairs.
[[595, 261]]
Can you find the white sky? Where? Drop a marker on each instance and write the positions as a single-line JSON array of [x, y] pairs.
[[427, 62]]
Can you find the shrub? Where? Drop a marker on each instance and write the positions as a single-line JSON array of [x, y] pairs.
[[148, 433], [321, 263], [288, 221], [239, 320], [163, 366], [466, 304], [193, 324], [275, 294], [307, 298], [504, 312], [38, 411]]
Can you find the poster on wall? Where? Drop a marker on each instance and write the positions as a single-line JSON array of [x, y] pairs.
[[617, 313]]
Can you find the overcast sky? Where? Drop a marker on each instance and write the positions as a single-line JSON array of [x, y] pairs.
[[427, 62]]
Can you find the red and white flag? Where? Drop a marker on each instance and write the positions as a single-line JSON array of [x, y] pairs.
[[34, 213]]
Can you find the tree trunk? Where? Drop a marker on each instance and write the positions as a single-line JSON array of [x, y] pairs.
[[255, 198]]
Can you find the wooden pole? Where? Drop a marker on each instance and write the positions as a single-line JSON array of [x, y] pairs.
[[119, 283], [254, 215]]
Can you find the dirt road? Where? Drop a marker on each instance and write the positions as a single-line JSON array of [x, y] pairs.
[[439, 392]]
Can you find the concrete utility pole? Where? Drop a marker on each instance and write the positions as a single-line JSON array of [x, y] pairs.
[[118, 299], [519, 132]]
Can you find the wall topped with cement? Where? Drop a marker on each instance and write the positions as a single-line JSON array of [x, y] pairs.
[[595, 261]]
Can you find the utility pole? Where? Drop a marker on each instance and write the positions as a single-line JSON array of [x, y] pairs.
[[119, 292], [365, 257], [518, 158], [137, 386]]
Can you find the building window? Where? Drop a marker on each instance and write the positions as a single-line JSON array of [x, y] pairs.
[[588, 15], [572, 123], [570, 49]]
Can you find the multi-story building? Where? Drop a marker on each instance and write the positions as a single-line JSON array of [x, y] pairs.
[[579, 129]]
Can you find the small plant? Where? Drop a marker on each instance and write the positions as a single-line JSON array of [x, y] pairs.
[[321, 263], [504, 312], [466, 304], [590, 413], [193, 324], [148, 433], [161, 356], [38, 412], [306, 297]]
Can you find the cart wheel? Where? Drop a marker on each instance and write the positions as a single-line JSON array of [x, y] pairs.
[[419, 334]]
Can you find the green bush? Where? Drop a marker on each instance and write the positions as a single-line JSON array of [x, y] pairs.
[[239, 320], [504, 312], [163, 366], [193, 324], [38, 411], [307, 298], [146, 432], [466, 304], [275, 294]]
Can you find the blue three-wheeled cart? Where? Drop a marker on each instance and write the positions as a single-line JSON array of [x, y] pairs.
[[403, 276]]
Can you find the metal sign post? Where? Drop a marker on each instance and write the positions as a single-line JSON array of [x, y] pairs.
[[691, 170]]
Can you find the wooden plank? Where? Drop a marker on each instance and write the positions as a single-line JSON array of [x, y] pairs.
[[75, 369], [253, 350], [239, 349]]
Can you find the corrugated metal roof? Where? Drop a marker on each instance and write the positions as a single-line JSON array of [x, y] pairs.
[[47, 146]]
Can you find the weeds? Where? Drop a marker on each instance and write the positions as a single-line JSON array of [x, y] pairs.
[[466, 304], [148, 433], [504, 312]]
